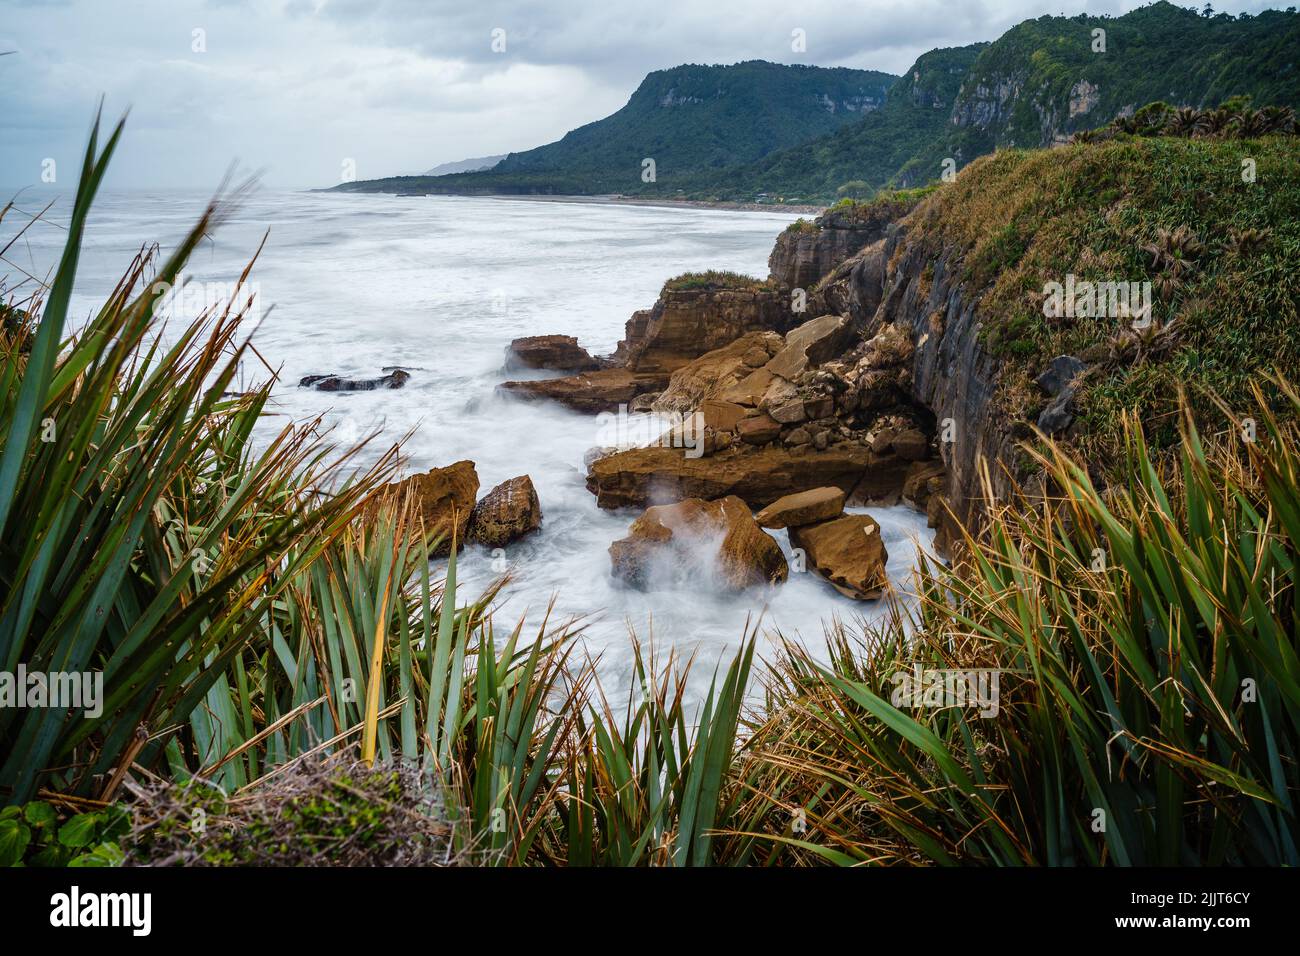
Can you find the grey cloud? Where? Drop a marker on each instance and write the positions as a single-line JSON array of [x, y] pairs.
[[295, 86]]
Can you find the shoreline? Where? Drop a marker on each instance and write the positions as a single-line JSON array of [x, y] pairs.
[[614, 200]]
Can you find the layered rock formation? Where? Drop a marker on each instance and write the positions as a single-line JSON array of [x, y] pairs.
[[684, 324], [808, 251], [758, 476], [559, 352], [396, 378]]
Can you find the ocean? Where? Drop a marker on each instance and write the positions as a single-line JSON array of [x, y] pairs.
[[349, 284]]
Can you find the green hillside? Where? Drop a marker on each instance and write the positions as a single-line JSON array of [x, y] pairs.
[[760, 131], [1034, 86], [915, 114], [687, 119]]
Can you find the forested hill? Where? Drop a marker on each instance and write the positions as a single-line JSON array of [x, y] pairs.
[[687, 119], [762, 132]]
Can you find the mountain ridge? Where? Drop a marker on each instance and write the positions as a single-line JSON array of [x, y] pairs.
[[1035, 85]]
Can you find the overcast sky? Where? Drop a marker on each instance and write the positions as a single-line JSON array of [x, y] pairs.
[[296, 87]]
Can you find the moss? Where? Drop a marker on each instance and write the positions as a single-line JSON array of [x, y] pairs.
[[334, 811]]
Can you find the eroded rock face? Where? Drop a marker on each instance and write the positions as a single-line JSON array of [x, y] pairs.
[[801, 508], [558, 352], [686, 323], [758, 476], [848, 552], [924, 479], [673, 538], [507, 512], [445, 497], [802, 257]]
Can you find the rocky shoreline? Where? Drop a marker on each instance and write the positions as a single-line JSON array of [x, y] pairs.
[[852, 376], [784, 405]]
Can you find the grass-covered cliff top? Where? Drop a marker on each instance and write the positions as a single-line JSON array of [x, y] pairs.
[[1221, 254], [713, 280]]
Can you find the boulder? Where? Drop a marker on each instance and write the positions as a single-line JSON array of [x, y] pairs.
[[912, 445], [789, 413], [1058, 415], [758, 476], [749, 390], [1060, 374], [810, 344], [924, 478], [716, 371], [508, 511], [801, 508], [848, 552], [445, 498], [672, 536], [558, 352], [1059, 381], [758, 429], [723, 416], [335, 383]]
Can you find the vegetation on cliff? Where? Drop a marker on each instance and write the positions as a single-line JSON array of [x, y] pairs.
[[1212, 224]]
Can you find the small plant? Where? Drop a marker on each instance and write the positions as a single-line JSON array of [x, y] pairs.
[[1175, 251], [1183, 121], [36, 835], [1246, 243], [1251, 124]]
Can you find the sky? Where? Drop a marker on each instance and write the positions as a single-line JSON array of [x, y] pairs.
[[305, 92]]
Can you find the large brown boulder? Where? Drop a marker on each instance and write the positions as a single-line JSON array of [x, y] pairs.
[[672, 536], [811, 344], [715, 371], [445, 498], [848, 552], [600, 391], [758, 476], [803, 507], [561, 353], [508, 511]]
